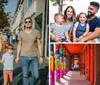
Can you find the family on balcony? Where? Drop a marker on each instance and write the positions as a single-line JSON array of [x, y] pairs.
[[83, 28]]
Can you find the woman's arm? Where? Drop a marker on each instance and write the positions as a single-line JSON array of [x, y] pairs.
[[74, 33], [67, 36]]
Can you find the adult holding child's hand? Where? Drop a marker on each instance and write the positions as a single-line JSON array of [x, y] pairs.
[[29, 40]]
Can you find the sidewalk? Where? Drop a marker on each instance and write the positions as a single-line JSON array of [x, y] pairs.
[[72, 78]]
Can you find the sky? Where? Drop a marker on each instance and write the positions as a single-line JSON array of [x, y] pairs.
[[11, 7], [79, 5]]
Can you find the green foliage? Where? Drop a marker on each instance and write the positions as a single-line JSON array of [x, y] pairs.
[[54, 2], [60, 3], [3, 16]]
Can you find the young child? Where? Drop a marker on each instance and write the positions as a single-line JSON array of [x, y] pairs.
[[7, 60], [81, 27], [58, 31]]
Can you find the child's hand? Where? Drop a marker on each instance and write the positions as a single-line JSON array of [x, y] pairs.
[[75, 40], [0, 61], [80, 37], [68, 40], [57, 39], [53, 37]]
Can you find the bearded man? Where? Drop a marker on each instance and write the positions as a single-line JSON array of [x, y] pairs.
[[94, 23]]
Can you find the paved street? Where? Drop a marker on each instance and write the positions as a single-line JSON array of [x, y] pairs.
[[73, 78], [43, 73]]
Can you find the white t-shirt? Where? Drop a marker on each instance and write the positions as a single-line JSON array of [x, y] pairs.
[[77, 23]]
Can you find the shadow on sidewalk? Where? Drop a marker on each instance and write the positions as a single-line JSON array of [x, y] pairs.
[[1, 75], [17, 71]]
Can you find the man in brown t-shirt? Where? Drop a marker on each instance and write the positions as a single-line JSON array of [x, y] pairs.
[[27, 49]]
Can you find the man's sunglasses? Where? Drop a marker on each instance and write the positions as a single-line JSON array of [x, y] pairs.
[[27, 21]]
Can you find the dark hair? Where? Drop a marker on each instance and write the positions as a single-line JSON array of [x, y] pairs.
[[95, 4], [74, 13], [28, 18], [80, 14], [57, 15]]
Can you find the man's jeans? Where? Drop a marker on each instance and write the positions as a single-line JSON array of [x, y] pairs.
[[33, 64]]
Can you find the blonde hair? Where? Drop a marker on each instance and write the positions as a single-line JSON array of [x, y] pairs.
[[57, 14]]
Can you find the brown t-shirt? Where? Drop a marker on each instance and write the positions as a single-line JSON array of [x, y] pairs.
[[29, 46]]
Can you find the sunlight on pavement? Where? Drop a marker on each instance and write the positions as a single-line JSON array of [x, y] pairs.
[[66, 77], [69, 75], [63, 80]]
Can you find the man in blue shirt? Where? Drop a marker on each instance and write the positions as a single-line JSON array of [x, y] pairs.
[[94, 23]]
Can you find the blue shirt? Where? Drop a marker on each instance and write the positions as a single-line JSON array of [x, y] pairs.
[[69, 26], [80, 29], [59, 30], [94, 23], [8, 61]]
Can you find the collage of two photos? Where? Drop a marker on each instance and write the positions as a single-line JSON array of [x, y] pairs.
[[49, 42]]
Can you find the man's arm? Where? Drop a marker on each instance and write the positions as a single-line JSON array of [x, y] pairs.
[[39, 43], [18, 50], [40, 50], [92, 36]]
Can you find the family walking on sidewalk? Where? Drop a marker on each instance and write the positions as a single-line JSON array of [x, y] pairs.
[[27, 49]]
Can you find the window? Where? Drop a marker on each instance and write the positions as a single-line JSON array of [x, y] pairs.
[[38, 23], [29, 3]]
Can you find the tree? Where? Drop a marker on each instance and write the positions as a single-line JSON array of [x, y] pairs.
[[3, 16], [60, 3]]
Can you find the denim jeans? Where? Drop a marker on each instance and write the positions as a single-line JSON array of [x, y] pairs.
[[33, 64]]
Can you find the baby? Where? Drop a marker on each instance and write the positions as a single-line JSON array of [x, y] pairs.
[[58, 32]]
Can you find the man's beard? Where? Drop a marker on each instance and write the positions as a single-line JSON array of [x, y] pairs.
[[90, 15]]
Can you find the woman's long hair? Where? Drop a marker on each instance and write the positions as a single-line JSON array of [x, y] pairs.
[[74, 14]]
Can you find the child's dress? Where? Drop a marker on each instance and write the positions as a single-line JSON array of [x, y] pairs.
[[81, 29]]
